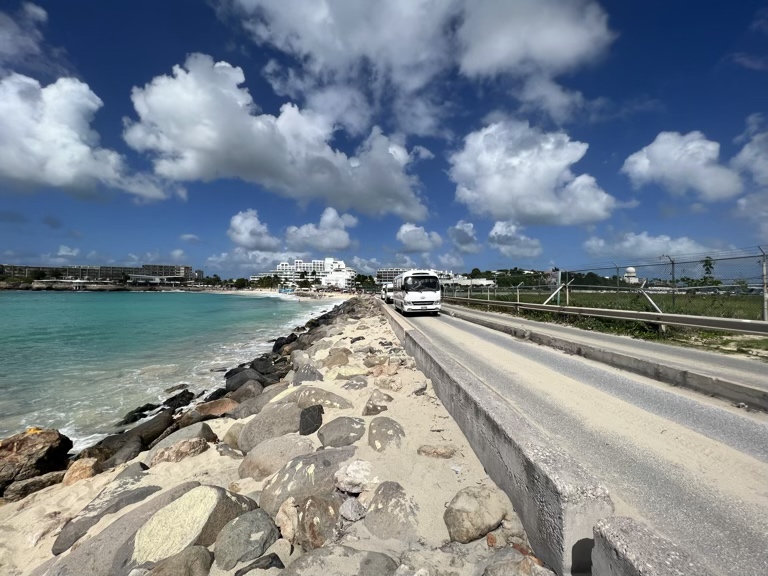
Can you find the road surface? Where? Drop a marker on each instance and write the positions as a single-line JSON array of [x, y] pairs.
[[692, 467]]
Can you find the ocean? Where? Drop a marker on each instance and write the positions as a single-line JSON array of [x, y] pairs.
[[78, 361]]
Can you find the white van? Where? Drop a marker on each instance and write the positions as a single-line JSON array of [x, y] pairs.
[[387, 291], [417, 291]]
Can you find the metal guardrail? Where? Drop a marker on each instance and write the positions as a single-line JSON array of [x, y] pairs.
[[707, 322]]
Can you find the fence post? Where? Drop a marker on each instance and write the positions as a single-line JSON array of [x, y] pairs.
[[765, 287]]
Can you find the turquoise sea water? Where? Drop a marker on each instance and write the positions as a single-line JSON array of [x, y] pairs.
[[78, 361]]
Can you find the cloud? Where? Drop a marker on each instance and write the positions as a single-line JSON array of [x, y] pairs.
[[251, 261], [750, 61], [11, 217], [66, 251], [397, 52], [368, 266], [247, 231], [330, 234], [642, 246], [511, 171], [46, 139], [21, 40], [464, 238], [754, 207], [178, 255], [416, 239], [451, 260], [509, 240], [682, 162], [753, 157], [200, 125], [191, 238]]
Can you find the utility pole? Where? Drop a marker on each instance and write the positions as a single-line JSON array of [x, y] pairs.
[[765, 286], [674, 281]]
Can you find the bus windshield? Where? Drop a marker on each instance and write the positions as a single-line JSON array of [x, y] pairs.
[[419, 284]]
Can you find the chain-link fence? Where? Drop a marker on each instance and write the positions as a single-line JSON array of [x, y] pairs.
[[724, 285]]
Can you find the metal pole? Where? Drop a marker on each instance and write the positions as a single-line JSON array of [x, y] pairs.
[[765, 287], [567, 290], [617, 279], [517, 289]]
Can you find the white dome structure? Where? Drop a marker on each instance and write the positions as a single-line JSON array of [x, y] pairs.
[[630, 275]]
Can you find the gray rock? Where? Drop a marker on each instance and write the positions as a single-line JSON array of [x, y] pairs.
[[199, 430], [474, 511], [245, 538], [192, 561], [341, 561], [303, 477], [311, 395], [179, 451], [384, 432], [256, 405], [341, 431], [236, 381], [391, 513], [356, 383], [266, 562], [445, 451], [352, 510], [251, 389], [196, 518], [353, 477], [377, 403], [105, 553], [269, 456], [280, 420], [299, 358], [306, 373], [318, 518], [337, 357], [23, 488], [228, 451], [310, 419], [133, 447], [118, 494], [233, 434]]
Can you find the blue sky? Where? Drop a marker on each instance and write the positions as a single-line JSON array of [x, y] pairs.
[[231, 135]]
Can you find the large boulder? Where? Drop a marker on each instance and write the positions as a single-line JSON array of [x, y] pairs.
[[310, 395], [318, 518], [132, 447], [81, 469], [391, 512], [280, 420], [341, 561], [196, 518], [306, 373], [353, 477], [376, 403], [304, 476], [192, 561], [179, 400], [179, 451], [257, 404], [341, 431], [32, 453], [384, 432], [109, 552], [269, 456], [240, 379], [245, 538], [199, 430], [474, 511], [217, 407], [249, 390], [115, 496], [23, 488]]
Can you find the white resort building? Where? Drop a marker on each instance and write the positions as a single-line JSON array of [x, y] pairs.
[[329, 271]]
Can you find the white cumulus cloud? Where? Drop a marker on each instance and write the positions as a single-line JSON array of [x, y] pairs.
[[46, 139], [189, 238], [329, 234], [199, 124], [753, 157], [464, 237], [682, 162], [247, 231], [508, 239], [66, 251], [178, 255], [511, 171], [248, 262], [20, 38], [416, 239], [642, 246]]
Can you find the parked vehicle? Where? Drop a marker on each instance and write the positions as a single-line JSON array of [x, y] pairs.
[[417, 291], [387, 292]]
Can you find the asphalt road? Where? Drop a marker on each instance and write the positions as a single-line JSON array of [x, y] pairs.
[[694, 468]]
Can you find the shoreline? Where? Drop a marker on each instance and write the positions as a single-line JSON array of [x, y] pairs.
[[344, 366]]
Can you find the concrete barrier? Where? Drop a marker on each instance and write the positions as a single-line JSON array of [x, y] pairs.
[[625, 547], [709, 385], [557, 500]]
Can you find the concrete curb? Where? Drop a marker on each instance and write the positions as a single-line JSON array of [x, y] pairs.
[[709, 385], [557, 500], [625, 547]]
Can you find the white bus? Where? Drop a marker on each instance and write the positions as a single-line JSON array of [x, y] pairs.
[[417, 291], [387, 291]]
